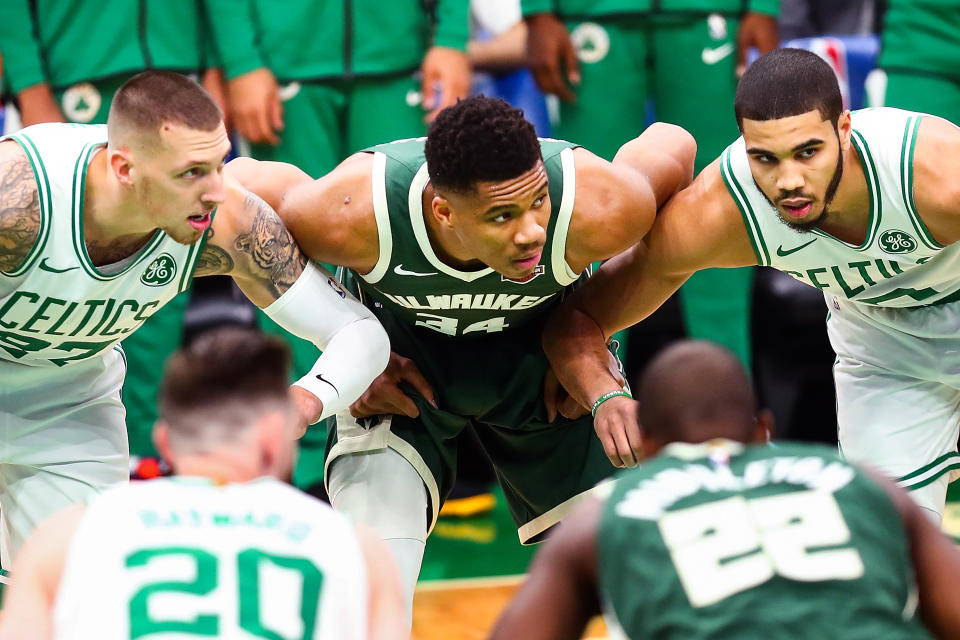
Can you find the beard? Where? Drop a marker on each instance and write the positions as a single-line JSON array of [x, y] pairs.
[[813, 223]]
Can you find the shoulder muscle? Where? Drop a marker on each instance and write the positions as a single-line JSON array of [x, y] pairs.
[[936, 190], [20, 215]]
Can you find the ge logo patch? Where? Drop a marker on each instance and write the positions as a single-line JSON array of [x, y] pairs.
[[160, 272], [591, 42], [896, 241]]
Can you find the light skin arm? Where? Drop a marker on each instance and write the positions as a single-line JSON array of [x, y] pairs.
[[385, 615], [562, 586], [19, 206], [28, 602], [616, 202], [936, 165], [698, 228]]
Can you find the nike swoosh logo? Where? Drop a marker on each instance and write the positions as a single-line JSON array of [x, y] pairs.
[[47, 267], [400, 271], [321, 379], [782, 253], [713, 56]]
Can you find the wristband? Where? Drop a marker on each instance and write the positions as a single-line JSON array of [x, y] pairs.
[[607, 396]]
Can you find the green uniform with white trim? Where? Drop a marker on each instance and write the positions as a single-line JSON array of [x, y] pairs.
[[719, 540], [894, 309], [475, 336], [61, 421]]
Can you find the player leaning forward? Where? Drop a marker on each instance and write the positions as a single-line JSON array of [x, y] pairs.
[[99, 228], [864, 206]]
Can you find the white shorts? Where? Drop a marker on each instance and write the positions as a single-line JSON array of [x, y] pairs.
[[898, 393], [63, 438]]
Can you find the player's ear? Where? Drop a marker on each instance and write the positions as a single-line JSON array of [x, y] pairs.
[[161, 440], [121, 164], [843, 130], [441, 208], [764, 429]]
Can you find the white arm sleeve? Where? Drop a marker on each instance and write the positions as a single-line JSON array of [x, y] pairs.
[[355, 347]]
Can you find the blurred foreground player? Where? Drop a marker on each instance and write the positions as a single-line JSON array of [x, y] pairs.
[[222, 549], [721, 536]]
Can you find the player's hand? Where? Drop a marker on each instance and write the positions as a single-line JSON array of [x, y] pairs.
[[756, 30], [446, 79], [216, 85], [619, 431], [255, 106], [384, 395], [557, 400], [550, 53], [307, 409], [37, 105]]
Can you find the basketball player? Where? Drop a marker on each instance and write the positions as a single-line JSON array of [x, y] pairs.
[[864, 206], [722, 536], [461, 243], [224, 548], [99, 228]]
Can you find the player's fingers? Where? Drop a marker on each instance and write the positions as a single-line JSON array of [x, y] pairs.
[[276, 113], [262, 119], [570, 62], [405, 405], [634, 439], [609, 446], [623, 445], [412, 374]]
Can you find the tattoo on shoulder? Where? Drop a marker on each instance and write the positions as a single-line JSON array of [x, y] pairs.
[[275, 257], [19, 211]]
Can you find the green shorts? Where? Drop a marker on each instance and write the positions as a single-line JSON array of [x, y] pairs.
[[495, 384]]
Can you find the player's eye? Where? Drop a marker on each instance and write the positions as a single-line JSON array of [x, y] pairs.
[[806, 154], [538, 202]]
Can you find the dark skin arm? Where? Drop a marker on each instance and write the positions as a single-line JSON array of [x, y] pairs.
[[562, 586], [700, 227], [551, 56]]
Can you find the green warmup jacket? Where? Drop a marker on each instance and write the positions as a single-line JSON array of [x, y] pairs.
[[576, 9], [316, 39], [63, 42], [922, 36]]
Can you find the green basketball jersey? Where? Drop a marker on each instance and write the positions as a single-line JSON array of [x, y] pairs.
[[899, 264], [420, 290], [58, 307], [719, 540]]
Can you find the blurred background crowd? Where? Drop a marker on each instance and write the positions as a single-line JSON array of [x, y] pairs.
[[313, 81]]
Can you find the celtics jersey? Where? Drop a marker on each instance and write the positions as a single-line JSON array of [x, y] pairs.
[[412, 282], [899, 263], [183, 557], [722, 541], [57, 307]]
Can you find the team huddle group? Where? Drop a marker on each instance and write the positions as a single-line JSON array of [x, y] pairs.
[[465, 299]]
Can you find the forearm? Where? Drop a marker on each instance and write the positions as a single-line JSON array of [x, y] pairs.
[[665, 154], [576, 348], [355, 347], [506, 51]]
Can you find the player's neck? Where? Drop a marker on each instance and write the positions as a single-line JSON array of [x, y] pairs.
[[849, 217], [219, 468], [109, 214]]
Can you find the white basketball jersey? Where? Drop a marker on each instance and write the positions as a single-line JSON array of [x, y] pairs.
[[898, 265], [185, 558], [57, 307]]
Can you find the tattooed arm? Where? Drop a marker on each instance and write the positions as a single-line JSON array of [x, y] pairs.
[[250, 243], [19, 206]]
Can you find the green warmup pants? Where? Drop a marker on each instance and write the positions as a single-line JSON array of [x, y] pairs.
[[324, 123], [925, 92], [148, 347], [686, 64]]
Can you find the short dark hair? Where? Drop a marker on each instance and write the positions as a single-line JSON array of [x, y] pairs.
[[694, 391], [153, 98], [787, 82], [221, 367], [479, 139]]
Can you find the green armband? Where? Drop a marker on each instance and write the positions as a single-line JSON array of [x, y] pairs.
[[607, 396]]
